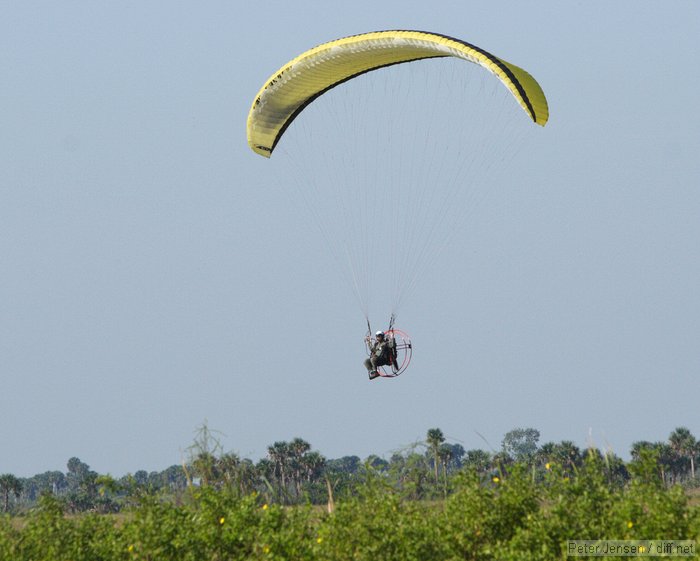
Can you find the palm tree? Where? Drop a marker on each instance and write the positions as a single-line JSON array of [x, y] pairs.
[[229, 465], [564, 453], [616, 468], [445, 455], [298, 448], [204, 453], [204, 466], [684, 444], [479, 460], [667, 459], [279, 453], [663, 453], [9, 485], [312, 465], [638, 446], [434, 439]]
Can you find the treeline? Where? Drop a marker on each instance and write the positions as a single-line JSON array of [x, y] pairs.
[[520, 514], [294, 473]]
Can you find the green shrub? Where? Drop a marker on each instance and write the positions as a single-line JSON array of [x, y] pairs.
[[517, 515]]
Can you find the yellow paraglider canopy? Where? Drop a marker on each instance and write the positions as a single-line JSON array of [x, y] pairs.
[[299, 82]]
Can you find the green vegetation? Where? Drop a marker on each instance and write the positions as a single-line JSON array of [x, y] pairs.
[[441, 502]]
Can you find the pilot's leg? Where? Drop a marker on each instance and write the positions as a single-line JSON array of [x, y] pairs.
[[371, 365]]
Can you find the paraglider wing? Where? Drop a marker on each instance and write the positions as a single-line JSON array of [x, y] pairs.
[[299, 82]]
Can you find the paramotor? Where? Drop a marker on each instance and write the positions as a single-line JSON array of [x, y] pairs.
[[395, 150]]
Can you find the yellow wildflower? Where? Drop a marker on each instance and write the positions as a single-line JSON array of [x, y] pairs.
[[319, 540], [130, 549], [630, 524], [222, 520], [495, 479], [264, 507], [266, 549], [547, 466]]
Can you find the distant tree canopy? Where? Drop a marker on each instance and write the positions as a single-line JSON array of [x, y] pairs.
[[293, 472], [520, 445]]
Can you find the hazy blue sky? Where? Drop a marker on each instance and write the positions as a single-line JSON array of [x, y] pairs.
[[152, 277]]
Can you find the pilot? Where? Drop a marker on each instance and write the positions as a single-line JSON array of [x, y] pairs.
[[379, 354]]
